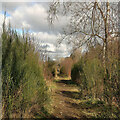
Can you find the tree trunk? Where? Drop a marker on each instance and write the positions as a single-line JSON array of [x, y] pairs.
[[118, 85], [105, 55]]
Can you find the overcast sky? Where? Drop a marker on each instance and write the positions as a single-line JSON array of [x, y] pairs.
[[33, 17]]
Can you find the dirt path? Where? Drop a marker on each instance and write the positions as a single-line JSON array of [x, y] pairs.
[[64, 96]]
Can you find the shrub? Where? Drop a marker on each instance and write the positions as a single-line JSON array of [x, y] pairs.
[[23, 82], [63, 72], [77, 73], [89, 75]]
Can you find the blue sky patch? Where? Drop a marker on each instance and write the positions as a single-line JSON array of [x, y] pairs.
[[7, 14]]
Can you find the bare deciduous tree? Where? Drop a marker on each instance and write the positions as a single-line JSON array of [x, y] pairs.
[[90, 23]]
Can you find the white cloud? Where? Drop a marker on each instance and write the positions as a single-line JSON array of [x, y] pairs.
[[1, 22], [34, 17], [44, 37], [48, 42], [51, 47]]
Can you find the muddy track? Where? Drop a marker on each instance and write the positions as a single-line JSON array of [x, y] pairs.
[[64, 97]]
